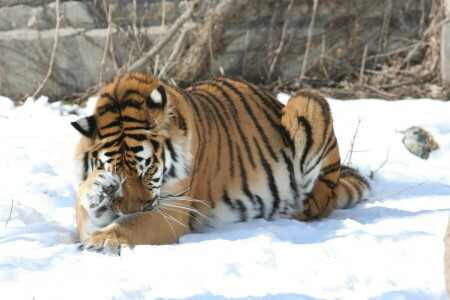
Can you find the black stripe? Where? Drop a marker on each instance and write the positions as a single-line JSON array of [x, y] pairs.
[[111, 153], [172, 152], [272, 104], [226, 199], [242, 210], [136, 149], [181, 122], [309, 140], [331, 168], [130, 119], [223, 123], [113, 142], [262, 209], [136, 128], [243, 174], [155, 145], [137, 137], [85, 165], [313, 199], [112, 124], [219, 134], [349, 195], [130, 103], [328, 147], [236, 119], [210, 197], [103, 136], [290, 168], [327, 182], [132, 92], [253, 117], [270, 180], [109, 97]]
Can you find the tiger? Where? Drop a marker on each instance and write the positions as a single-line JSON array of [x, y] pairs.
[[155, 162]]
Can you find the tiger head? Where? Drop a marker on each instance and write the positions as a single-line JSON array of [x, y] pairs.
[[134, 132]]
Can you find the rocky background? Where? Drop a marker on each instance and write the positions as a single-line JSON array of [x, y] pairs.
[[346, 48]]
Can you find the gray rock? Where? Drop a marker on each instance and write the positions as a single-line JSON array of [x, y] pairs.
[[419, 141]]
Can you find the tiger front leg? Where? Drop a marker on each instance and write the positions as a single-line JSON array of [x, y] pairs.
[[159, 227], [95, 202]]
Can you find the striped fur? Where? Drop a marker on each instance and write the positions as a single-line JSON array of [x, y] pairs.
[[220, 151]]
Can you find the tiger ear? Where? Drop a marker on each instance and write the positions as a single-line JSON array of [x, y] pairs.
[[157, 98], [86, 126]]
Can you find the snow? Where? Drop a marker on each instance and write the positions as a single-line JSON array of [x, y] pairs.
[[387, 248]]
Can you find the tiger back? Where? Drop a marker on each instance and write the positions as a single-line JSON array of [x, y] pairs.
[[218, 152]]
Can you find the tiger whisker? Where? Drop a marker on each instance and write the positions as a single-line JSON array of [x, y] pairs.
[[170, 197], [171, 218], [167, 221], [187, 214], [186, 208]]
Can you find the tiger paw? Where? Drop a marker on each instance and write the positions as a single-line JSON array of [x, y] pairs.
[[100, 190], [106, 241]]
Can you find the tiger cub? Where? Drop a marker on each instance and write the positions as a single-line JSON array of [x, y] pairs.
[[156, 162]]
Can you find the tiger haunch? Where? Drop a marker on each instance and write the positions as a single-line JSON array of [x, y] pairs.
[[235, 151]]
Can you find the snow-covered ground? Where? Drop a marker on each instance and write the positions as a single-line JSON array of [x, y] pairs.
[[390, 248]]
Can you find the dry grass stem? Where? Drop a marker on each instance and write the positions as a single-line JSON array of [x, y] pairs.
[[348, 156], [372, 173], [397, 192], [10, 213]]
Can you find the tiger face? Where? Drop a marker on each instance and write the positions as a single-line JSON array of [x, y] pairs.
[[128, 135]]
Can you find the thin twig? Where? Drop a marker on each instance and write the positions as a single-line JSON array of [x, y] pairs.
[[10, 212], [135, 29], [161, 33], [363, 66], [52, 58], [108, 12], [382, 43], [394, 85], [322, 55], [308, 42], [175, 52], [380, 92], [350, 151], [372, 173], [164, 41], [244, 55], [212, 61], [397, 192], [282, 41]]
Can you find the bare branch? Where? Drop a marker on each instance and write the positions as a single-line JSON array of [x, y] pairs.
[[164, 41], [108, 12], [363, 65], [52, 58], [308, 42], [282, 41]]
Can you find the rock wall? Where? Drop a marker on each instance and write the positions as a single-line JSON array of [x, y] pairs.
[[248, 46]]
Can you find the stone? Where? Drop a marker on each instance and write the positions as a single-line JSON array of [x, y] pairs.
[[419, 141]]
